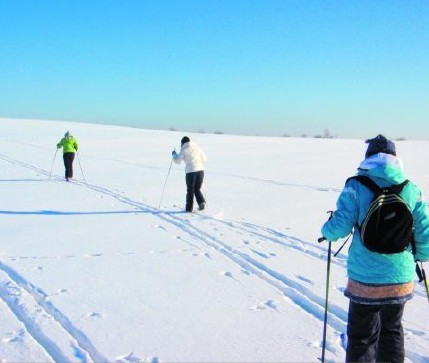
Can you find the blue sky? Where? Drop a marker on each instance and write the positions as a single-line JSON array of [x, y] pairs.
[[267, 67]]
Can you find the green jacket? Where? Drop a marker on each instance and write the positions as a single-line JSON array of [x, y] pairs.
[[69, 144]]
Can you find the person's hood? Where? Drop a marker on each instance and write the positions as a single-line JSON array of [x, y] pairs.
[[383, 166], [189, 144]]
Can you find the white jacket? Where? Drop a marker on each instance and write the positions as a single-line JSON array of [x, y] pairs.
[[193, 156]]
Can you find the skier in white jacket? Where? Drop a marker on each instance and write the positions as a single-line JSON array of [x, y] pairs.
[[194, 158]]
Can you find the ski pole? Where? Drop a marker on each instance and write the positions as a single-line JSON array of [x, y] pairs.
[[52, 165], [165, 183], [328, 272], [422, 276], [425, 280], [78, 159], [342, 246]]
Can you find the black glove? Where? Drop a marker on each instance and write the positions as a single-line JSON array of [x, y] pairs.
[[420, 273]]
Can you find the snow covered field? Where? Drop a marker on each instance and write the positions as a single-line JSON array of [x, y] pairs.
[[93, 271]]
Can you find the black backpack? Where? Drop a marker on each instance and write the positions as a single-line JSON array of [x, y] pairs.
[[388, 224]]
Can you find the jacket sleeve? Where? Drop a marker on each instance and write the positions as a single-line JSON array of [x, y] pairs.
[[345, 217], [178, 158], [421, 229], [60, 144], [75, 144]]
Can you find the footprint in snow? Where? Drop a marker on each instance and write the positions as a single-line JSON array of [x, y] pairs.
[[231, 276], [261, 254], [62, 292], [228, 274], [160, 227], [131, 358], [37, 268], [219, 215], [14, 336], [305, 279], [159, 252], [93, 316], [271, 304], [313, 344], [198, 254], [93, 255]]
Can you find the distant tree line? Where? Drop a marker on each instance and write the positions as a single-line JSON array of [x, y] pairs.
[[326, 135]]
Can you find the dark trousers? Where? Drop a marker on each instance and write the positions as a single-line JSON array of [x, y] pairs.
[[68, 163], [194, 182], [375, 333]]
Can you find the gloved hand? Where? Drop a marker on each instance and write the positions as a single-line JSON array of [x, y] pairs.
[[173, 153], [420, 272]]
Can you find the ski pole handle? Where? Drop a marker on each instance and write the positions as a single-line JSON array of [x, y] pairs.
[[321, 239]]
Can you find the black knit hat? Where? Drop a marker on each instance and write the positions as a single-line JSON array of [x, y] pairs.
[[185, 139], [380, 144]]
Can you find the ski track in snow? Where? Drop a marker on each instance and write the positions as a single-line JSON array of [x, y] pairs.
[[289, 286], [275, 182], [296, 292], [41, 319]]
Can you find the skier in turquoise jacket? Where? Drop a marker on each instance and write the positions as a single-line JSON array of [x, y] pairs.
[[379, 284], [70, 146]]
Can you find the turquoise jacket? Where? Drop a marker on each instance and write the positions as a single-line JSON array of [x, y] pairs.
[[352, 205]]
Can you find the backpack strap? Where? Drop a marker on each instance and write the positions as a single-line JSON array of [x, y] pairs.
[[413, 245], [373, 187], [398, 188], [368, 182]]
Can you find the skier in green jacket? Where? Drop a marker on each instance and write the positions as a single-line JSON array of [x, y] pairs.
[[70, 146]]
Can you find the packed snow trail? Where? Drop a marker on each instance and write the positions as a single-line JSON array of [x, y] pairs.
[[55, 333], [295, 291], [289, 286], [292, 289]]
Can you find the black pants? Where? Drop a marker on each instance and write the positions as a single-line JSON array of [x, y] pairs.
[[194, 182], [375, 333], [68, 163]]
